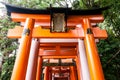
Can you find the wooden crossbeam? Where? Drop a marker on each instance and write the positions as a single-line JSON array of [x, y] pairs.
[[38, 32], [57, 64], [57, 53], [18, 17]]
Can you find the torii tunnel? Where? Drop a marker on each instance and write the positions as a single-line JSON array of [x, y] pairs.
[[57, 43]]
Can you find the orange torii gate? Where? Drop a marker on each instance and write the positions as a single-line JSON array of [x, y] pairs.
[[57, 38]]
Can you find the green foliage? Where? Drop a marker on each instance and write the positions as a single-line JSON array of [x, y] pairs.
[[36, 4], [40, 4], [86, 4], [109, 53], [112, 16], [7, 68], [7, 46], [109, 49]]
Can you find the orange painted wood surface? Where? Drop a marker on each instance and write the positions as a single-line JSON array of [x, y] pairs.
[[78, 67], [73, 73], [45, 33], [94, 64], [58, 49], [62, 45], [60, 71], [17, 17], [47, 73], [39, 68], [61, 78], [38, 32], [21, 62], [99, 34], [54, 53], [56, 57]]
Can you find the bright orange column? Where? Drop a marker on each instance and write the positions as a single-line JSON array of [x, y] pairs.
[[73, 73], [78, 67], [46, 74], [50, 74], [39, 68], [19, 70], [94, 64]]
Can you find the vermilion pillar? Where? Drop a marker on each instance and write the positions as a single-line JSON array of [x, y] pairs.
[[46, 74], [19, 70], [73, 73], [94, 64], [78, 67], [39, 68]]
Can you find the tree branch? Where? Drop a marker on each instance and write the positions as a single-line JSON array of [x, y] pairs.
[[92, 3], [113, 56], [86, 3]]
